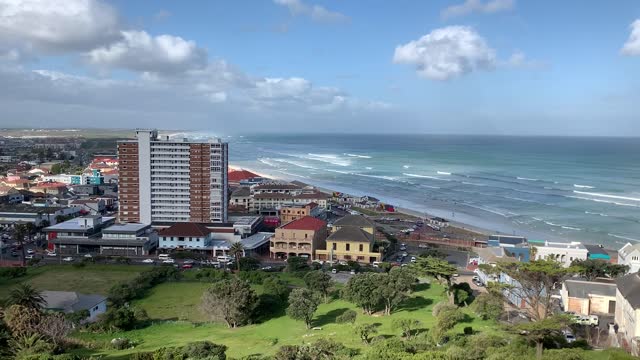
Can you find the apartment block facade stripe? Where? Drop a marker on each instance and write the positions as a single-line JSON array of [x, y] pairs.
[[177, 180]]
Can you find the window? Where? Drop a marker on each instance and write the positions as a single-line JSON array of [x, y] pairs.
[[181, 238], [305, 236], [334, 246], [348, 246], [361, 247]]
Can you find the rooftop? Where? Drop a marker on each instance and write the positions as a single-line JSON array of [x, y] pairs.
[[629, 287], [628, 248], [314, 195], [25, 208], [354, 220], [242, 191], [582, 288], [125, 228], [351, 233], [563, 245], [69, 302], [244, 220], [506, 239], [256, 240], [237, 175], [275, 186], [79, 224], [305, 223], [185, 229], [494, 255]]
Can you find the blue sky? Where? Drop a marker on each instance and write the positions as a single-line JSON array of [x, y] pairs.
[[463, 66]]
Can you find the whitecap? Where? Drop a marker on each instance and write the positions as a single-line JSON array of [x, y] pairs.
[[443, 173], [623, 237], [424, 177], [359, 156], [582, 186], [406, 166], [609, 196], [524, 178], [368, 168]]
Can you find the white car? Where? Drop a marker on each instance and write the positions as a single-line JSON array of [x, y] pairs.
[[68, 259], [404, 254], [334, 271], [423, 246], [568, 335], [28, 257], [30, 251], [168, 261], [148, 261], [413, 259], [87, 255], [52, 254], [376, 264]]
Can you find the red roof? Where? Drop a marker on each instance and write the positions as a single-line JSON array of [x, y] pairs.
[[237, 175], [305, 223], [51, 184], [185, 229]]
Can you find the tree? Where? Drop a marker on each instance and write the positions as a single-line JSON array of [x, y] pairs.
[[19, 233], [320, 282], [489, 305], [362, 290], [276, 287], [55, 327], [25, 295], [439, 269], [348, 316], [237, 251], [365, 331], [118, 318], [433, 253], [297, 263], [22, 320], [407, 326], [249, 264], [462, 293], [303, 303], [232, 301], [534, 283], [394, 287], [537, 331], [593, 268], [445, 321]]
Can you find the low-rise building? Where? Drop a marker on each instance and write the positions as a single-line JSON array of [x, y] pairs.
[[185, 236], [563, 252], [245, 226], [589, 297], [629, 255], [240, 198], [302, 237], [13, 214], [598, 252], [91, 206], [294, 212], [627, 314], [99, 235], [9, 195], [352, 238], [70, 302]]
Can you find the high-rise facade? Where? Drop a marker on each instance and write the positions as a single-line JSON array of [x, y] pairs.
[[169, 180]]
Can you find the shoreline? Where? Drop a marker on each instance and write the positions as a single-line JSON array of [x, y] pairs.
[[402, 210]]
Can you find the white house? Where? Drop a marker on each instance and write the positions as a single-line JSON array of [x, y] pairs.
[[627, 314], [562, 252], [187, 236], [69, 302], [630, 255]]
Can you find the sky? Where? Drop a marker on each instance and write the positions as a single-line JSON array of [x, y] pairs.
[[511, 67]]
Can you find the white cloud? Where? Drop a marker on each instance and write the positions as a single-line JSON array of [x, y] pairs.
[[632, 46], [519, 60], [140, 51], [447, 53], [57, 26], [277, 88], [316, 12], [470, 6]]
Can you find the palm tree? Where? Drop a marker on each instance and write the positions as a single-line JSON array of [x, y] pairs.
[[19, 232], [237, 250], [25, 295]]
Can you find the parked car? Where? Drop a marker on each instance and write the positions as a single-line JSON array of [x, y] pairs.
[[189, 261], [404, 254], [187, 266], [568, 335], [29, 257], [423, 246], [14, 253], [413, 259], [334, 271], [403, 248], [168, 261], [475, 278], [148, 261], [67, 259], [30, 251], [88, 256], [51, 253], [376, 264]]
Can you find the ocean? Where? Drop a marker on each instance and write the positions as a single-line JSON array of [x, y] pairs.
[[552, 188]]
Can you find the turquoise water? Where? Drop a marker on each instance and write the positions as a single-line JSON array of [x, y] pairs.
[[585, 189]]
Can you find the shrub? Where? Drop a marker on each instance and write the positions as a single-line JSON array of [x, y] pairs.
[[205, 350], [348, 316], [211, 275], [249, 264], [79, 265], [442, 307], [12, 272], [253, 277], [121, 343], [468, 330]]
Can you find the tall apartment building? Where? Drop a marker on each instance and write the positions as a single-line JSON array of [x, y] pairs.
[[172, 180]]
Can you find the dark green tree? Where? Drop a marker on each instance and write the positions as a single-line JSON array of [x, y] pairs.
[[537, 331], [365, 331], [407, 326], [394, 287], [276, 287], [231, 301], [594, 268], [489, 305], [297, 263], [303, 303], [237, 250], [320, 282], [438, 269], [25, 295], [362, 290]]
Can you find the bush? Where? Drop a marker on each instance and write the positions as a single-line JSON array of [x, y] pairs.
[[468, 330], [253, 277], [205, 350], [12, 272], [348, 316], [79, 265], [297, 264], [122, 293], [211, 275], [249, 264], [121, 343], [120, 318], [442, 307]]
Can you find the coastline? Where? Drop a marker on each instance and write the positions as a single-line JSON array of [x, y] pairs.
[[402, 210]]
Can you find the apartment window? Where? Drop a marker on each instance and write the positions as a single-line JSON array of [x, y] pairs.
[[634, 258], [305, 236], [361, 247], [335, 247], [190, 239], [181, 238], [348, 246]]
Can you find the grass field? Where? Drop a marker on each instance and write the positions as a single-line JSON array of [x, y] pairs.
[[91, 279], [180, 301]]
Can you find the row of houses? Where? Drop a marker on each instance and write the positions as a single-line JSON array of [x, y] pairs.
[[267, 198]]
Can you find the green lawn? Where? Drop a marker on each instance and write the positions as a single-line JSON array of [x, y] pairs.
[[91, 279], [180, 301]]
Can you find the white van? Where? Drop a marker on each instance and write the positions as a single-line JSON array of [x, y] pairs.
[[225, 258], [164, 256]]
